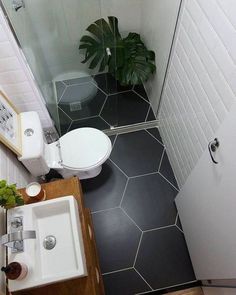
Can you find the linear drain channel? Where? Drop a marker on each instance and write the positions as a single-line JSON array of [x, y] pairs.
[[49, 242]]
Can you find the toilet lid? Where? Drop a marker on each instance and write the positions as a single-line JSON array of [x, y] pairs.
[[84, 148]]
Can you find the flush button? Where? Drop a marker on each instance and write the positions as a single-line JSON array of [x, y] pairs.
[[29, 132]]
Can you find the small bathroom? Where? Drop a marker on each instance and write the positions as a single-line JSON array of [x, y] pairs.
[[117, 147]]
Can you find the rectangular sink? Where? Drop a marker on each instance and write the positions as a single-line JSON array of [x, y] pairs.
[[57, 253]]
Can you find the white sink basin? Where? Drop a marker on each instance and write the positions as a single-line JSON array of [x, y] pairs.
[[58, 218]]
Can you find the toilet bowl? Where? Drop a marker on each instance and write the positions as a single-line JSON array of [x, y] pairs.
[[80, 152]]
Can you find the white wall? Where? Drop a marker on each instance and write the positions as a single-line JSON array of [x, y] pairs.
[[201, 83], [218, 291], [158, 20], [128, 13]]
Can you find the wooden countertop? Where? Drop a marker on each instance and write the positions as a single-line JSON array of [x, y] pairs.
[[85, 285]]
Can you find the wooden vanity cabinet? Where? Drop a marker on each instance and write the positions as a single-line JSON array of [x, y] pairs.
[[91, 284]]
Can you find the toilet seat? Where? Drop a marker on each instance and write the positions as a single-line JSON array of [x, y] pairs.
[[84, 148]]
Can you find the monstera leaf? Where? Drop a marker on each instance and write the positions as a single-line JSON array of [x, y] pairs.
[[139, 62], [127, 59], [104, 36]]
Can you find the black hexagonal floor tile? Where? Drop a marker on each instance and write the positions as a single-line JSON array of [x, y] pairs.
[[70, 99], [166, 170], [107, 83], [149, 201], [137, 153], [117, 239], [141, 91], [155, 133], [106, 190], [64, 120], [94, 122], [124, 109], [163, 258], [126, 282]]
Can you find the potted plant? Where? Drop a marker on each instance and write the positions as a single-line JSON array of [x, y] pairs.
[[126, 58], [9, 197]]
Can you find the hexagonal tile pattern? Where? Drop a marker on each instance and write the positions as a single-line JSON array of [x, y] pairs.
[[117, 239], [137, 153], [94, 122], [106, 190], [84, 99], [124, 109], [127, 282], [163, 258], [70, 99], [109, 85], [149, 201]]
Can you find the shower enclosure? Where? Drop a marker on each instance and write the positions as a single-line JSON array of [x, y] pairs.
[[48, 32]]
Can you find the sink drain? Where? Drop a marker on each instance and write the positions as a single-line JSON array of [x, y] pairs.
[[49, 242]]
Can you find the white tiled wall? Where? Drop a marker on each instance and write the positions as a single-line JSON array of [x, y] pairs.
[[16, 78], [201, 82]]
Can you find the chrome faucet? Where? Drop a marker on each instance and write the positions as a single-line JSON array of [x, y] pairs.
[[15, 239]]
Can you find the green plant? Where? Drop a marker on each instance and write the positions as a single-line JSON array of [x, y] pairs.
[[127, 59], [9, 197]]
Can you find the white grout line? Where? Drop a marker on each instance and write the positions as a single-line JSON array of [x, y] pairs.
[[104, 210], [64, 113], [64, 83], [116, 135], [131, 219], [143, 278], [85, 118], [168, 181], [177, 285], [158, 228], [139, 244], [69, 127], [162, 156], [115, 271], [63, 92], [99, 87], [141, 97], [137, 176], [179, 228], [103, 105], [176, 219], [183, 284], [120, 92], [104, 120], [119, 168], [127, 181], [147, 114], [154, 136]]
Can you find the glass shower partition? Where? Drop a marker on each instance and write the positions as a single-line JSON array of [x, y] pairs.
[[48, 33]]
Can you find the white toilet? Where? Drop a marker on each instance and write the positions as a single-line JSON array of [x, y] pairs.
[[80, 152]]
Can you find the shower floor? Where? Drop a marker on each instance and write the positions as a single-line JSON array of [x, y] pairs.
[[107, 104]]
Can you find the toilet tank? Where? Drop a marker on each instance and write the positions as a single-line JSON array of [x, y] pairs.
[[34, 146]]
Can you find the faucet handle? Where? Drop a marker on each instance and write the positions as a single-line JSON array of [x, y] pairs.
[[18, 236]]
